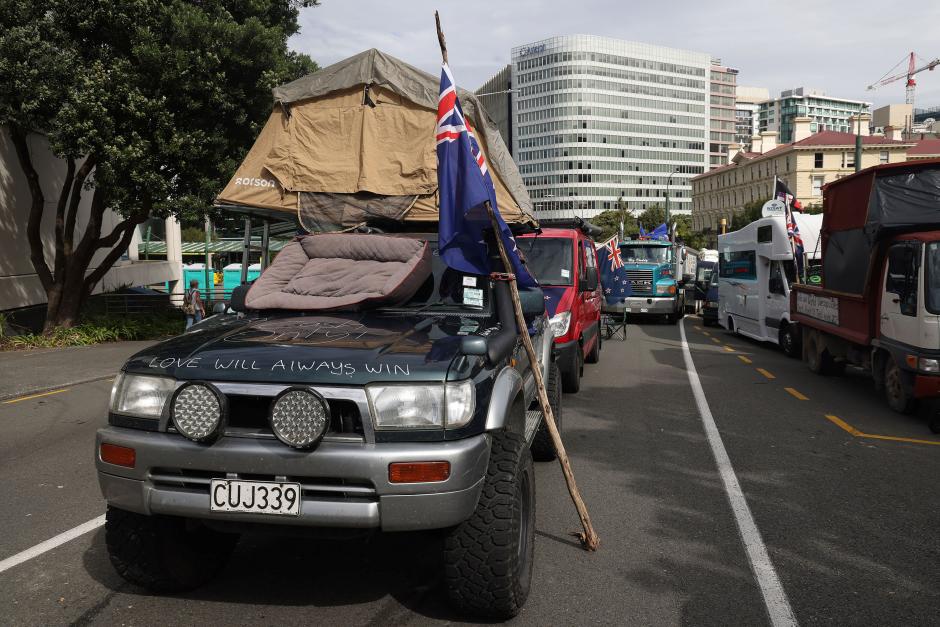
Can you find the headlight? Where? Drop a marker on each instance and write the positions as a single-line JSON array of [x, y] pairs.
[[928, 365], [711, 303], [560, 322], [421, 406], [198, 412], [299, 418], [140, 395], [666, 289]]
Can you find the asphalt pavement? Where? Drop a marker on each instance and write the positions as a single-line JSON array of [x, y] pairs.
[[846, 518]]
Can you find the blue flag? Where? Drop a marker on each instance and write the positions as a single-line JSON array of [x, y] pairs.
[[660, 232], [464, 185]]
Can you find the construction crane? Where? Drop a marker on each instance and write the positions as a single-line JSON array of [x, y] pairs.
[[909, 75]]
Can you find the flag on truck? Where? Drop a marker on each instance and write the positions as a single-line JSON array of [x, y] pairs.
[[464, 186], [782, 192], [614, 279]]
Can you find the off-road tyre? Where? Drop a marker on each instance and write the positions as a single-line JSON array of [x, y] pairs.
[[161, 553], [595, 355], [899, 398], [789, 340], [488, 557], [543, 450], [571, 380]]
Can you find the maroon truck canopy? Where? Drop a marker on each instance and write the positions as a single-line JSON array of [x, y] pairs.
[[861, 210]]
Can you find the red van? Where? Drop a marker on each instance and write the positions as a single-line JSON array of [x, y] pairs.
[[565, 263]]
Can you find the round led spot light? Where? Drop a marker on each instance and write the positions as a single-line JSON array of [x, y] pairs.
[[198, 412], [299, 418]]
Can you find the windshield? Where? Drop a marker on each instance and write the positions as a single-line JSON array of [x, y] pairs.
[[649, 254], [449, 289], [713, 280], [933, 277], [549, 259]]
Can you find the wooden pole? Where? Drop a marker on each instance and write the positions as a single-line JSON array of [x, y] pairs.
[[588, 537]]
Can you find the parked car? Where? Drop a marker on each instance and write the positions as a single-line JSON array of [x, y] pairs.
[[414, 416], [564, 261]]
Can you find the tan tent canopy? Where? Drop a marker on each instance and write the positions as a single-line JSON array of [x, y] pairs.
[[354, 142]]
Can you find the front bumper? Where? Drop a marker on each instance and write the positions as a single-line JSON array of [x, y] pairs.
[[645, 305], [344, 484]]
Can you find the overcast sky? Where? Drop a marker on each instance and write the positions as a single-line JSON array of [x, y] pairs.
[[839, 47]]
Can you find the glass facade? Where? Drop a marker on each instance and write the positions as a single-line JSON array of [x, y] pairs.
[[599, 121], [827, 114], [723, 122]]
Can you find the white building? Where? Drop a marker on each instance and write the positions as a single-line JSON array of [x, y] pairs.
[[19, 284], [598, 119], [826, 113], [747, 107]]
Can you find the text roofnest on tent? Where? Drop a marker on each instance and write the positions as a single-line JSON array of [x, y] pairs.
[[354, 143]]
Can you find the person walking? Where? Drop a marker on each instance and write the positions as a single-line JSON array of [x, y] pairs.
[[192, 304]]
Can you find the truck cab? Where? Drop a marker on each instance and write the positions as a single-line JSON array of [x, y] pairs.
[[565, 263], [654, 269]]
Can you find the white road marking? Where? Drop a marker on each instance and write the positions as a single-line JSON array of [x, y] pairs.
[[51, 543], [775, 598]]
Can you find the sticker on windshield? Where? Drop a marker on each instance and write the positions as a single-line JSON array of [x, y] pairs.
[[469, 281], [565, 273], [472, 297]]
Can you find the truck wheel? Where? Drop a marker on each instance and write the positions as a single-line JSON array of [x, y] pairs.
[[488, 557], [571, 379], [899, 398], [162, 553], [543, 450], [788, 340], [595, 355]]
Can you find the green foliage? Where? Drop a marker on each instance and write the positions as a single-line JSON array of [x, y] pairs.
[[166, 96], [98, 329], [752, 211], [196, 234], [609, 221]]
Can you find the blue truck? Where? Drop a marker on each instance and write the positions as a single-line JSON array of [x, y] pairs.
[[654, 269]]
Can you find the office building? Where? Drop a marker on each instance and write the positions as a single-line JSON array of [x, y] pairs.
[[496, 96], [598, 121], [722, 122], [746, 108], [805, 165], [825, 112]]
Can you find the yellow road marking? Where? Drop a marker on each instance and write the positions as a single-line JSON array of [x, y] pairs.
[[745, 359], [706, 333], [766, 373], [716, 340], [873, 436], [729, 349], [26, 398], [796, 394], [698, 328]]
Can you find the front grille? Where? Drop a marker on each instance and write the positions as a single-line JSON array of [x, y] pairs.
[[248, 413], [321, 488], [641, 281]]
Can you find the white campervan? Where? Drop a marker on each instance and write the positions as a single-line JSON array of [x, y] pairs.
[[755, 270]]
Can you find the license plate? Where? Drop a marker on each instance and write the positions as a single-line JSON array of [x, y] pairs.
[[254, 497], [628, 309], [644, 310]]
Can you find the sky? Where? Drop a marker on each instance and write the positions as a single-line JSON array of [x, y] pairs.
[[839, 47]]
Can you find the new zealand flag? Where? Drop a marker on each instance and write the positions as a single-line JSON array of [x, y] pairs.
[[614, 279]]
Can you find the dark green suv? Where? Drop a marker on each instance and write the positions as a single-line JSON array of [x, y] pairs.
[[415, 417]]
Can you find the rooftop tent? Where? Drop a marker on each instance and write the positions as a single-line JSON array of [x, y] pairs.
[[355, 142]]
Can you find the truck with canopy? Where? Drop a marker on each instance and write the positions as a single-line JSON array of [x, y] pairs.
[[364, 386], [878, 305]]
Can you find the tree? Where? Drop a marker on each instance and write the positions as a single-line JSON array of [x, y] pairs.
[[609, 222], [752, 211], [150, 104]]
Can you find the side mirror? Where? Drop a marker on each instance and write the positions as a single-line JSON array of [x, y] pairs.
[[589, 282], [237, 301], [533, 302]]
